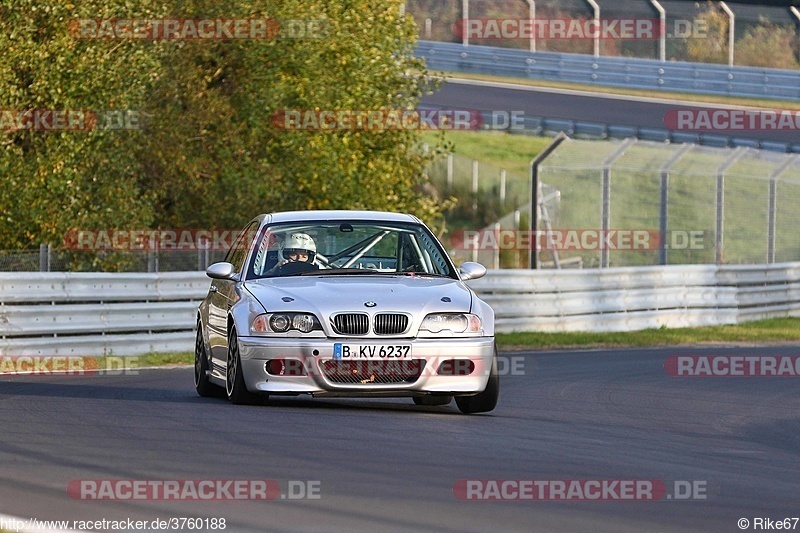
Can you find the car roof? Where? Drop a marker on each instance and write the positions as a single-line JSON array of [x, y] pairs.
[[311, 216]]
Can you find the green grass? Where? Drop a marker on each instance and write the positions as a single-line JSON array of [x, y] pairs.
[[776, 330], [164, 359], [496, 148]]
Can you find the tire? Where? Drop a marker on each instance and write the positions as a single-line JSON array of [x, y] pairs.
[[485, 401], [234, 380], [432, 400], [202, 384]]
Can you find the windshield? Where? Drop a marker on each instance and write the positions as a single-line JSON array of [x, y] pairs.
[[343, 248]]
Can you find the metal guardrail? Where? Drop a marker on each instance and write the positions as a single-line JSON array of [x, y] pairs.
[[699, 78], [632, 73], [635, 298], [581, 129], [91, 314]]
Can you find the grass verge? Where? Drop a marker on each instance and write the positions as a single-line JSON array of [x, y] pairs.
[[770, 331]]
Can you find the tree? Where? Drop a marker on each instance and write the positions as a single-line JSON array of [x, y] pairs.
[[713, 46], [768, 45], [208, 155], [53, 181]]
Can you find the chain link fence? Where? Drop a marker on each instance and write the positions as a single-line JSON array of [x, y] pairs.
[[688, 204], [640, 203], [52, 259]]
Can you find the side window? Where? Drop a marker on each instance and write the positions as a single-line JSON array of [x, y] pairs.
[[236, 255]]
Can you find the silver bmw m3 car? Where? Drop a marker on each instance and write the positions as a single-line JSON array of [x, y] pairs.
[[348, 304]]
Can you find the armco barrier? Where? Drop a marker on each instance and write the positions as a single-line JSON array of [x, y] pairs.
[[131, 314], [635, 298], [633, 73], [66, 313]]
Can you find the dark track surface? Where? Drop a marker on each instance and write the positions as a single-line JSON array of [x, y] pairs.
[[389, 465], [588, 108]]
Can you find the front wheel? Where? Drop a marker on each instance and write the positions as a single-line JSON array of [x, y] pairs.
[[202, 384], [484, 401], [234, 380]]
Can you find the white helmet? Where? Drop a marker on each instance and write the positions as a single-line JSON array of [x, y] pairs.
[[298, 242]]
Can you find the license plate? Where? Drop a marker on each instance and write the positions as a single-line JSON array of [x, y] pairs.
[[368, 352]]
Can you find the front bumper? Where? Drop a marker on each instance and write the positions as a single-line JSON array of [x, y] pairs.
[[313, 353]]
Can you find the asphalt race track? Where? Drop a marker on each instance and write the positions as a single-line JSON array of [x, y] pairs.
[[387, 465], [588, 107]]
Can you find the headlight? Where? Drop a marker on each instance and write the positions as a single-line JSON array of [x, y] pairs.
[[455, 323], [283, 322]]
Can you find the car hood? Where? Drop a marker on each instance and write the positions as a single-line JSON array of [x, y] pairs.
[[323, 296]]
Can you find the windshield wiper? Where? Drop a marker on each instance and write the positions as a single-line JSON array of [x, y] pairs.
[[336, 272]]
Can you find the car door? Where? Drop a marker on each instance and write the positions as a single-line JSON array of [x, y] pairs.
[[223, 296]]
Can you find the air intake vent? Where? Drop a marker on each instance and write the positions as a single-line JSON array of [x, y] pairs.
[[390, 324], [351, 324]]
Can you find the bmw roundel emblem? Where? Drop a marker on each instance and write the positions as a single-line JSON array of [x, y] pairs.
[[370, 304]]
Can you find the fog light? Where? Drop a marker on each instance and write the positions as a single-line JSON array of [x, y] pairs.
[[275, 367], [456, 367], [285, 367]]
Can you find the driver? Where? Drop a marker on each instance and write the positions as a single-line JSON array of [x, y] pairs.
[[297, 253]]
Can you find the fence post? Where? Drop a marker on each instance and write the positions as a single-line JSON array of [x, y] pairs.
[[502, 187], [44, 258], [474, 186], [605, 186], [465, 22], [449, 171], [719, 235], [773, 199], [663, 210], [533, 252]]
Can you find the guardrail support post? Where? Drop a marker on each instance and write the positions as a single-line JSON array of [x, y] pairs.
[[533, 251]]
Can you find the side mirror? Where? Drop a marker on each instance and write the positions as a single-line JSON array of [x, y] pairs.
[[222, 270], [470, 270]]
